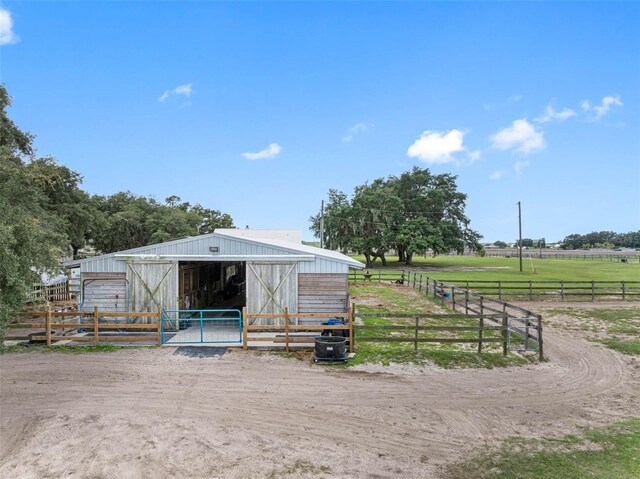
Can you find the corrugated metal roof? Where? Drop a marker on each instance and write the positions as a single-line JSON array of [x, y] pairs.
[[199, 246], [300, 248]]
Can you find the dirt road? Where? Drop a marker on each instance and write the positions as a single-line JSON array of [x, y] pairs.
[[151, 414]]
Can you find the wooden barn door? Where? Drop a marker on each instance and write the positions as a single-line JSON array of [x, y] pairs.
[[272, 287], [153, 285]]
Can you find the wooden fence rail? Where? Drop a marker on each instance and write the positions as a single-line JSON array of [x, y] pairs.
[[526, 289], [95, 326], [520, 320], [486, 323], [287, 327]]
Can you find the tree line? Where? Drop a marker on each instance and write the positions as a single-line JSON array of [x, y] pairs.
[[602, 239], [412, 213], [46, 215]]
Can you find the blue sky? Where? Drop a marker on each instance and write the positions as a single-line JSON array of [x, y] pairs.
[[257, 109]]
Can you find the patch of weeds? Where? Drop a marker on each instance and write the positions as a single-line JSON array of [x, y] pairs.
[[302, 355], [627, 347], [299, 467], [93, 348], [448, 357], [607, 452]]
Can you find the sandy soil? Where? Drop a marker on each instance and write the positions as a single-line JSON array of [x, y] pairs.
[[152, 414]]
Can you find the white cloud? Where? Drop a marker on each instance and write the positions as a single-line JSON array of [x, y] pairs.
[[472, 157], [181, 90], [519, 168], [551, 114], [437, 147], [521, 136], [603, 109], [7, 36], [496, 175], [354, 130], [268, 153]]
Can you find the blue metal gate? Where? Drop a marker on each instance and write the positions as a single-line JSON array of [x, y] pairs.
[[201, 326]]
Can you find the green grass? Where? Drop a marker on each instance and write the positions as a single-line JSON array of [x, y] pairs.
[[99, 348], [387, 300], [534, 269], [621, 326], [611, 452]]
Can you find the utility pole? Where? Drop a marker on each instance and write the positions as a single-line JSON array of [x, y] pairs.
[[520, 235], [322, 225]]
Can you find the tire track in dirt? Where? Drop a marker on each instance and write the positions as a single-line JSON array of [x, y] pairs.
[[393, 421]]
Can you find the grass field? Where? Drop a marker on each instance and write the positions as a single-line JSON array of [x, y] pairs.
[[608, 452], [449, 268], [387, 300]]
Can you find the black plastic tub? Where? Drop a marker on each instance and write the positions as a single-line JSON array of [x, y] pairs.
[[330, 348]]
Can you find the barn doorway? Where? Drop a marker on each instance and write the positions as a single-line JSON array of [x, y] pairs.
[[211, 285]]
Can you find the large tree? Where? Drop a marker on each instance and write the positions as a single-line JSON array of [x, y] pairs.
[[413, 213], [30, 237]]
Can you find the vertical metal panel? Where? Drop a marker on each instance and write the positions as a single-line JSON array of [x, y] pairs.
[[107, 291], [272, 287], [152, 285]]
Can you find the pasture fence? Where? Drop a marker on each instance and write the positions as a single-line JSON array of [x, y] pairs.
[[88, 325], [450, 328], [516, 289]]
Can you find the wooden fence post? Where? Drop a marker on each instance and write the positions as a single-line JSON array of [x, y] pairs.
[[442, 293], [466, 302], [562, 290], [453, 298], [48, 326], [540, 351], [420, 285], [159, 326], [623, 292], [286, 328], [481, 305], [530, 291], [505, 325], [435, 289], [244, 327], [500, 290], [95, 325], [352, 338], [415, 339], [480, 334], [593, 290]]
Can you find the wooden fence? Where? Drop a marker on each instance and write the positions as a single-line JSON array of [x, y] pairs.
[[412, 329], [521, 321], [40, 293], [517, 289], [57, 326], [284, 334]]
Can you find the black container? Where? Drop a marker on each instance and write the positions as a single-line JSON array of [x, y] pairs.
[[330, 347]]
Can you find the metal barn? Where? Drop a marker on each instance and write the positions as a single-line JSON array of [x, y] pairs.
[[265, 271]]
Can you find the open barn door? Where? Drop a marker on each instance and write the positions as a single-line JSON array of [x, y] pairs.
[[153, 284], [272, 287]]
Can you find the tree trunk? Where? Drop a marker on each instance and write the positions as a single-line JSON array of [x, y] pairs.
[[409, 258]]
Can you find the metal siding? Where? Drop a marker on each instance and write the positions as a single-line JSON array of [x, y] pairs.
[[200, 246]]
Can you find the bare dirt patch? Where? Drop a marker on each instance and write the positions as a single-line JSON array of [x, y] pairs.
[[149, 413]]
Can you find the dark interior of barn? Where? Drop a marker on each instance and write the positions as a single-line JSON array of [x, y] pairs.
[[212, 285]]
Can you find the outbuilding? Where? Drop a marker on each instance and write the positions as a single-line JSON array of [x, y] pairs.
[[265, 271]]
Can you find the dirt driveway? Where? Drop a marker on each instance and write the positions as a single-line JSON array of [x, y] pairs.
[[151, 414]]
